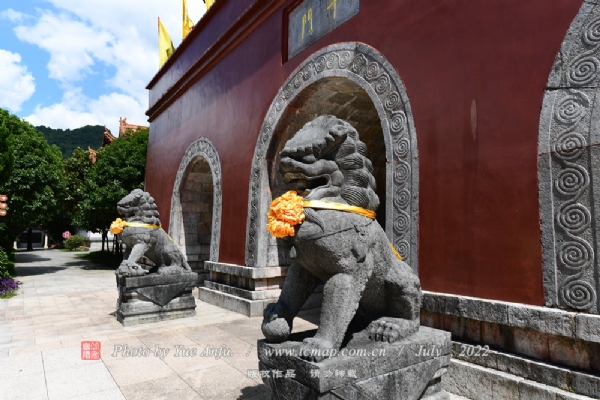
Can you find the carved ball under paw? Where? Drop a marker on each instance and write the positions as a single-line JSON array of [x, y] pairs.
[[276, 330]]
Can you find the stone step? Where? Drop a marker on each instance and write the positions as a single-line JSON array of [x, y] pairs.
[[476, 382], [545, 373]]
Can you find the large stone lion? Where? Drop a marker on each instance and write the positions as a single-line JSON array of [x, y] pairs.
[[365, 283], [146, 238]]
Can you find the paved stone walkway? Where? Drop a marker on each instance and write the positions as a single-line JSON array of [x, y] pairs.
[[65, 300]]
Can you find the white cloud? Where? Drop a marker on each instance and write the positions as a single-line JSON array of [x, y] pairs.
[[12, 15], [16, 84], [77, 110], [85, 37], [120, 34], [72, 45]]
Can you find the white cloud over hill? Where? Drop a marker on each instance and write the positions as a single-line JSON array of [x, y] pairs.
[[111, 43], [16, 83]]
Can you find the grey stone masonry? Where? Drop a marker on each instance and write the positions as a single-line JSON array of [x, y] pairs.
[[155, 297], [476, 382], [542, 319], [568, 182], [539, 345], [408, 369], [241, 289]]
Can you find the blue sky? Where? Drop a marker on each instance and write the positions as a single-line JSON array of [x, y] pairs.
[[70, 63]]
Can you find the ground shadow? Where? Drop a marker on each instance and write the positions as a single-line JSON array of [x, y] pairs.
[[255, 392], [31, 271], [93, 267], [24, 258]]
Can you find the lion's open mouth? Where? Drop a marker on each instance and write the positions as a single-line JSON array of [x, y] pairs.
[[305, 184]]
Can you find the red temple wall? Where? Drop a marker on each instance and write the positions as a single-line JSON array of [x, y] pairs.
[[475, 73]]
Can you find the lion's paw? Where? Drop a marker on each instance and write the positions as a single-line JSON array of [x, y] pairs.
[[391, 329], [316, 349], [169, 270]]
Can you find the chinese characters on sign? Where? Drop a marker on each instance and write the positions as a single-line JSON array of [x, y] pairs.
[[313, 19], [290, 373]]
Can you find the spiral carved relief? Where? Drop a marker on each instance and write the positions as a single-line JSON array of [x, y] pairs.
[[366, 67]]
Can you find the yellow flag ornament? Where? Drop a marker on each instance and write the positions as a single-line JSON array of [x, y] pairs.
[[187, 24], [165, 44]]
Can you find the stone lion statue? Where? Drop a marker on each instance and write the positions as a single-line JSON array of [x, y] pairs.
[[366, 284], [142, 234]]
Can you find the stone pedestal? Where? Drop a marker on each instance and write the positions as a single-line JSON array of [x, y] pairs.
[[155, 297], [406, 370]]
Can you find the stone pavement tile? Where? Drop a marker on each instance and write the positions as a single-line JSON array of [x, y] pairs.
[[172, 387], [38, 347], [182, 365], [222, 383], [21, 365], [245, 357], [246, 330], [78, 381], [133, 370], [30, 387], [165, 339], [57, 337], [4, 353], [17, 343], [111, 394], [205, 334], [5, 339], [64, 358], [25, 331]]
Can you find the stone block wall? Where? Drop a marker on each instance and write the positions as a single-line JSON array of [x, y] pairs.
[[196, 223]]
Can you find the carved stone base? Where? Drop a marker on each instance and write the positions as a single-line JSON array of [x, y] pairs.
[[155, 297], [409, 369]]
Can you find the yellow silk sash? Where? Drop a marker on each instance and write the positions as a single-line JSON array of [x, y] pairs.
[[327, 205], [118, 224], [287, 210]]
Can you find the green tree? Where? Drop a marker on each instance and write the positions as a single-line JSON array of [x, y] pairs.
[[36, 185], [119, 169], [7, 152], [76, 169], [69, 139]]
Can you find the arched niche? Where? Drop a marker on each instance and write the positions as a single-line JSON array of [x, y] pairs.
[[568, 159], [354, 82], [196, 204]]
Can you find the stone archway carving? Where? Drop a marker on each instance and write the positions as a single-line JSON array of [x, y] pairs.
[[569, 176], [366, 67], [204, 149]]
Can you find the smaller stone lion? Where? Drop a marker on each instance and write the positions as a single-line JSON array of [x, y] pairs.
[[144, 237]]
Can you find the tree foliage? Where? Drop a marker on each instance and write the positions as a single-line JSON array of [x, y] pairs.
[[69, 139], [75, 169], [36, 185], [119, 169], [7, 151]]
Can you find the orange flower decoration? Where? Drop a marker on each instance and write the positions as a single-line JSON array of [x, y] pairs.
[[285, 212]]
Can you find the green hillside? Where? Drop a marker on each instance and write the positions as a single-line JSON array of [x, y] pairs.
[[69, 139]]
